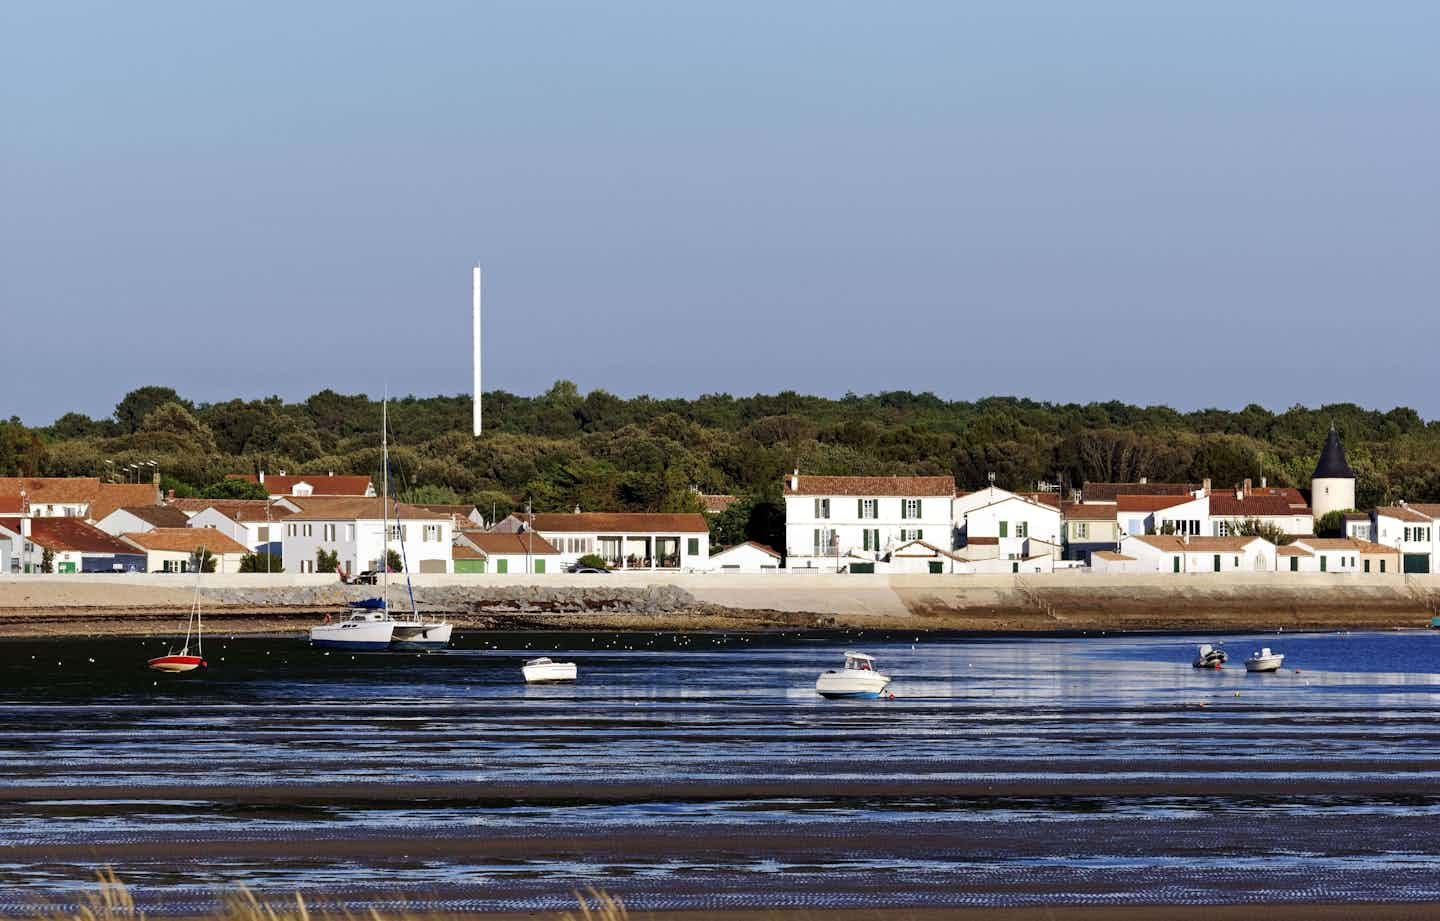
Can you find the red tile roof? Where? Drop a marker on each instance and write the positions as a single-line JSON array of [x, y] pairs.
[[1128, 503], [1225, 505], [619, 522], [1175, 544], [1078, 511], [1112, 555], [1345, 543], [508, 542], [234, 509], [11, 505], [122, 495], [159, 516], [1109, 492], [342, 508], [1403, 513], [185, 540], [908, 486], [764, 548], [73, 534], [716, 503], [43, 490]]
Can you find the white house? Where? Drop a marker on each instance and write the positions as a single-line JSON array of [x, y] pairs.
[[1022, 527], [141, 518], [256, 523], [504, 552], [1278, 506], [173, 549], [624, 540], [865, 517], [74, 546], [77, 497], [1359, 525], [351, 527], [1338, 555], [1411, 530], [746, 557], [1186, 554], [1185, 515]]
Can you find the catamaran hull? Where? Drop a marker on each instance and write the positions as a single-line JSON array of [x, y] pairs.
[[423, 636], [842, 686], [176, 664], [355, 637]]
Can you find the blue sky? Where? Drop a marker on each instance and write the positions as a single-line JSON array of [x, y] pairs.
[[1212, 205]]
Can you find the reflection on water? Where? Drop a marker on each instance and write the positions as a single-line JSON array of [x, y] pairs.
[[1154, 773]]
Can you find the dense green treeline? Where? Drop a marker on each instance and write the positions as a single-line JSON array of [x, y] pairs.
[[599, 451]]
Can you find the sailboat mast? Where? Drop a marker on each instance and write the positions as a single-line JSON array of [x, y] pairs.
[[385, 504]]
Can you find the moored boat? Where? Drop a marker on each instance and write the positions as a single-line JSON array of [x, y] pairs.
[[422, 634], [1264, 661], [363, 631], [858, 679], [1209, 657], [182, 660], [545, 671]]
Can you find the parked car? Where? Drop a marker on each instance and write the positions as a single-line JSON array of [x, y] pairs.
[[368, 577], [578, 568]]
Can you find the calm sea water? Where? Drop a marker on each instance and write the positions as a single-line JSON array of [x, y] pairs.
[[702, 771]]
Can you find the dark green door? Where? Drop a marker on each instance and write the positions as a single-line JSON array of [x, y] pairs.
[[1417, 562], [1177, 564], [937, 566], [1217, 562], [1294, 564], [1322, 563]]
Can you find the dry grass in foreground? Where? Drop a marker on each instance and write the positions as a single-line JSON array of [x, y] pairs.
[[112, 901]]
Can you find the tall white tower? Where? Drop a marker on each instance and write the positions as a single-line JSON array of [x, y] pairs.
[[475, 336], [1332, 486]]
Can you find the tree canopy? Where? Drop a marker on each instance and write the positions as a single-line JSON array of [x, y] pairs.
[[565, 448]]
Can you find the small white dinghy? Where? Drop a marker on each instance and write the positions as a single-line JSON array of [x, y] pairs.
[[544, 671], [1264, 661], [857, 680]]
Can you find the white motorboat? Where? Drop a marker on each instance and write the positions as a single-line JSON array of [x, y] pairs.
[[1264, 661], [361, 632], [545, 671], [858, 679], [1209, 657]]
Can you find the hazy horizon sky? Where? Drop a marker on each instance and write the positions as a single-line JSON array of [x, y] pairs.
[[1202, 205]]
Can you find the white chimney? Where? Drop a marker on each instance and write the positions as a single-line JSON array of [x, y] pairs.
[[1206, 486], [25, 527], [262, 477], [1262, 482], [795, 480]]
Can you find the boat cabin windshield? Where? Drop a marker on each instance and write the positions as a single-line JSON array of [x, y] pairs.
[[860, 663], [367, 617]]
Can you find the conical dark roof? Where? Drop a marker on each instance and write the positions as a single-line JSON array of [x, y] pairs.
[[1332, 464]]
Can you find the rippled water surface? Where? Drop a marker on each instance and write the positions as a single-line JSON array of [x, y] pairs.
[[702, 770]]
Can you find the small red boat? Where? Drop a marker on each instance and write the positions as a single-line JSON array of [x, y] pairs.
[[177, 663], [180, 660]]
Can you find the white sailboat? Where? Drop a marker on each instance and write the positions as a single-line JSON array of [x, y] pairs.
[[381, 629]]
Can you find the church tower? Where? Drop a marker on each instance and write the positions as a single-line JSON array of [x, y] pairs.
[[1332, 485]]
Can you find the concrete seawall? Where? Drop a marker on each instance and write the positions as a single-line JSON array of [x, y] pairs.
[[1058, 601]]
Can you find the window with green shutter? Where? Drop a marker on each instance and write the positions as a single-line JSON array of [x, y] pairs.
[[1004, 529], [692, 546], [502, 566], [539, 566]]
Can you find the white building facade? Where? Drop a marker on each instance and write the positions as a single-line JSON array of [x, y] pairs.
[[351, 528], [832, 520]]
